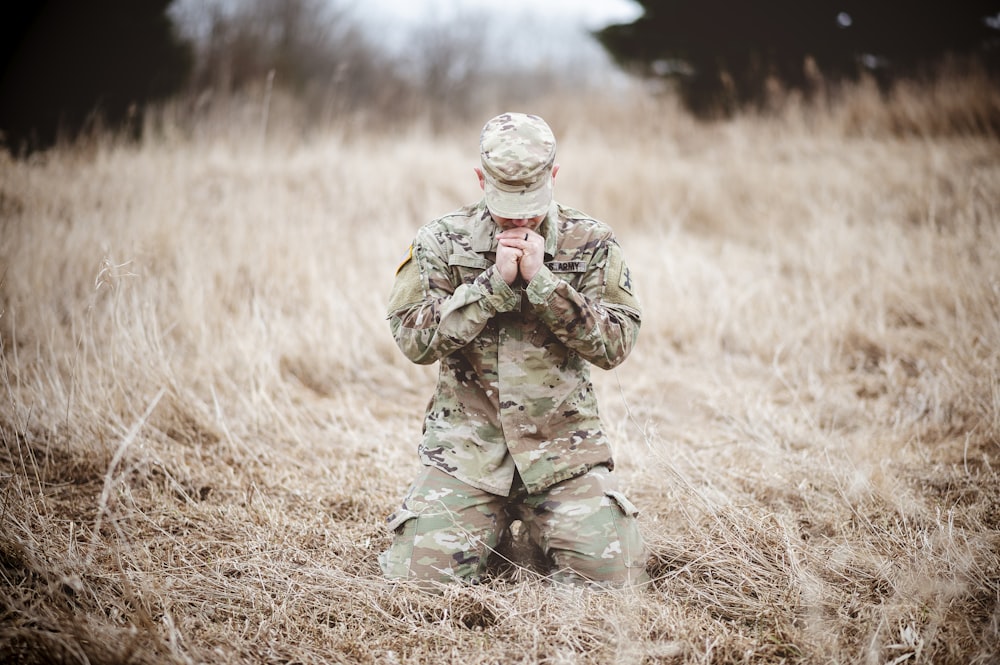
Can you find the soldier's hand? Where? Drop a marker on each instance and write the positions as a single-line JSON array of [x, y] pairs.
[[531, 246], [507, 262]]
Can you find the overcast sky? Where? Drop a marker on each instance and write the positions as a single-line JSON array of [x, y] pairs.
[[520, 32], [514, 33], [590, 14]]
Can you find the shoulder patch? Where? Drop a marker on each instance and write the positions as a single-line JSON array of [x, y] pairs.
[[625, 281], [407, 288], [405, 259], [619, 287]]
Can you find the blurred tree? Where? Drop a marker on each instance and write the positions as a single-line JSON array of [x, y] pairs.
[[309, 48], [724, 54], [68, 65]]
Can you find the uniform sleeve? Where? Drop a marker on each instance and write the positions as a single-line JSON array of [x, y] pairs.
[[601, 319], [429, 315]]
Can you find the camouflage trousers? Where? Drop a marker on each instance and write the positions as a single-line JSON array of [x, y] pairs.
[[446, 530]]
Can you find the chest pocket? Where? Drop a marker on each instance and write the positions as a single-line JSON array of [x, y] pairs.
[[465, 268]]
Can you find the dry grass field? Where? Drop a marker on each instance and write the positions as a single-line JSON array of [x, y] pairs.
[[205, 421]]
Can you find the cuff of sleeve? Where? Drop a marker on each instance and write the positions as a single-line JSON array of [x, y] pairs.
[[497, 292], [542, 286]]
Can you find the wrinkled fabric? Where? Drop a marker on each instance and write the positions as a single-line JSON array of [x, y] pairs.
[[445, 531], [514, 394]]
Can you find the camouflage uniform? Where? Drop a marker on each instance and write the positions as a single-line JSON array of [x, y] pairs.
[[513, 431]]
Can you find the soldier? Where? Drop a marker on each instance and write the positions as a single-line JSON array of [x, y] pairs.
[[514, 296]]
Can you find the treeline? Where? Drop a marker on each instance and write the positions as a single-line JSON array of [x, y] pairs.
[[68, 66], [71, 67], [725, 56]]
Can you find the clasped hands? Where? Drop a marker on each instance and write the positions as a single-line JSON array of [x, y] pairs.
[[520, 252]]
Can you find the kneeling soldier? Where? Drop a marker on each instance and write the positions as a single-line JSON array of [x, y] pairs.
[[514, 297]]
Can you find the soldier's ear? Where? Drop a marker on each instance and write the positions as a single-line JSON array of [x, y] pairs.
[[482, 178], [555, 170]]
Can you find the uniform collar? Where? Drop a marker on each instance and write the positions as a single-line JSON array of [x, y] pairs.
[[485, 231]]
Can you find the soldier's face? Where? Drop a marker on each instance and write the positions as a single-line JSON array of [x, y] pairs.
[[530, 223]]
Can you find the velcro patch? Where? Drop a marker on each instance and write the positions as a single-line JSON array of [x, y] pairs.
[[619, 288], [407, 288], [405, 259], [625, 281]]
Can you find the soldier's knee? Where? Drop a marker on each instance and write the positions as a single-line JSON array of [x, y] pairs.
[[395, 562], [443, 532], [434, 548], [611, 554]]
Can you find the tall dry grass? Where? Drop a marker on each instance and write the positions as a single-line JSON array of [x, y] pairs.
[[205, 420]]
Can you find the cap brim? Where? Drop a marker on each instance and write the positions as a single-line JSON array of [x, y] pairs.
[[520, 204]]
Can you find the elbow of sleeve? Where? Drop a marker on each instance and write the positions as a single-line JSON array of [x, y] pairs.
[[612, 360], [605, 363], [616, 354], [417, 353], [424, 359], [414, 346]]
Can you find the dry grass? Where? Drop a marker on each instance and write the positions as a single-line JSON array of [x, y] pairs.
[[204, 418]]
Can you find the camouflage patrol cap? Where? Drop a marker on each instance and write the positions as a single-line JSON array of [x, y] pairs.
[[517, 151]]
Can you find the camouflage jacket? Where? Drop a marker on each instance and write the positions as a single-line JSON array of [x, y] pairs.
[[514, 389]]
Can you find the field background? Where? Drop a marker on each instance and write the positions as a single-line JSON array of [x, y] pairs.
[[204, 419]]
